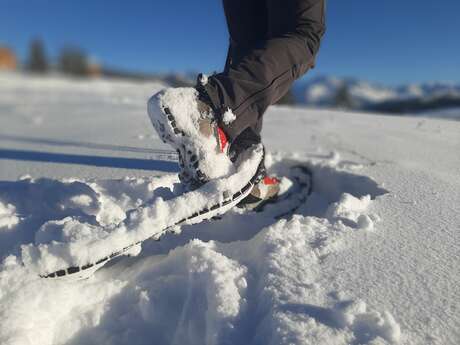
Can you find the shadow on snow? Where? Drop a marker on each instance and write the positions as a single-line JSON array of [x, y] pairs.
[[91, 160]]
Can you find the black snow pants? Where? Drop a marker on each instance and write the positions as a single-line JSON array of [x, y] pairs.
[[272, 43]]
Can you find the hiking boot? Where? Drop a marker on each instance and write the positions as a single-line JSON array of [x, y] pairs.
[[264, 192], [183, 119], [267, 189]]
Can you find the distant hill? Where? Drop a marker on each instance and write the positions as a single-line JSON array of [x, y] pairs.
[[361, 95]]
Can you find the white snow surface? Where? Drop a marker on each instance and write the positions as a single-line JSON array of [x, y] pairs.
[[371, 258]]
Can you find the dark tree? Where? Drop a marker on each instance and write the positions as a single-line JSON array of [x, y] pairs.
[[37, 61], [73, 61], [343, 98]]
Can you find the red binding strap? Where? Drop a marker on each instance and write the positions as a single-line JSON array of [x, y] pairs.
[[223, 141], [270, 180]]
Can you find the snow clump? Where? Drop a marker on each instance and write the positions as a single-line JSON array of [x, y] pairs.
[[353, 211], [8, 217], [228, 117]]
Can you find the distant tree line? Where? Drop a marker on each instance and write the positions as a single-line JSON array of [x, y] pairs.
[[71, 60], [416, 105], [37, 61]]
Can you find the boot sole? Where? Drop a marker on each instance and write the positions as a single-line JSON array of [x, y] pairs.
[[165, 124]]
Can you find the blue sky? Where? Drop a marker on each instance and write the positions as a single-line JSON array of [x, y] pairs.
[[391, 41]]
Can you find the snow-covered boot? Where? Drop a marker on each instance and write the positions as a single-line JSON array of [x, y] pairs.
[[184, 120]]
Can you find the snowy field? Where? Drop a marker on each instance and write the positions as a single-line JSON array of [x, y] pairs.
[[373, 257]]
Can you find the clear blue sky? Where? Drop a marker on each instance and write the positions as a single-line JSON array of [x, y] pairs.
[[390, 41]]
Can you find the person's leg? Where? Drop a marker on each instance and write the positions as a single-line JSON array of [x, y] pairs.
[[261, 73], [247, 23]]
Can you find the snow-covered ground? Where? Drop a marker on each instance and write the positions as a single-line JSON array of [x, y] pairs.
[[449, 113], [371, 258]]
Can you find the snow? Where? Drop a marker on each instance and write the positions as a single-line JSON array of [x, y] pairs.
[[371, 258], [75, 241], [228, 117], [448, 113], [8, 218], [203, 79], [352, 210]]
